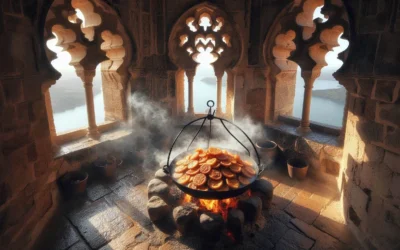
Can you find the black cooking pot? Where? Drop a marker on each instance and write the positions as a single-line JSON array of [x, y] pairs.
[[211, 194]]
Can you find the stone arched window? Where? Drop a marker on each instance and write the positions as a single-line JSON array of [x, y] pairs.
[[204, 35], [300, 41], [91, 33]]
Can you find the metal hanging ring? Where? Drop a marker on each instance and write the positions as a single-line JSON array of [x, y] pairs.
[[212, 105]]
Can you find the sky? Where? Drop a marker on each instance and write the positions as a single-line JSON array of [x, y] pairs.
[[68, 94]]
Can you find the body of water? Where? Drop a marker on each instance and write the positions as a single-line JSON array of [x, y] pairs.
[[323, 110], [69, 105]]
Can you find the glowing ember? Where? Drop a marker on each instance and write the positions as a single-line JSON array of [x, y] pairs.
[[216, 206]]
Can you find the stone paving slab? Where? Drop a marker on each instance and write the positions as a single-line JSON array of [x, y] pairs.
[[114, 216], [323, 240], [127, 240], [97, 190], [100, 222], [132, 200], [80, 246], [296, 239], [281, 196], [274, 230], [61, 234], [305, 209], [125, 183], [336, 229]]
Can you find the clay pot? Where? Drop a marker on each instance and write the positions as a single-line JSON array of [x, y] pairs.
[[268, 151], [75, 182], [297, 168], [107, 167]]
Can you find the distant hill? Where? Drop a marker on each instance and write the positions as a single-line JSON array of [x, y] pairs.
[[335, 95], [209, 80], [212, 81]]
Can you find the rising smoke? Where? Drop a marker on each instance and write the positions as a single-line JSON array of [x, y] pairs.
[[155, 130]]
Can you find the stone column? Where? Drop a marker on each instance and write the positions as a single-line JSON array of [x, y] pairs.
[[190, 75], [180, 91], [230, 92], [50, 117], [309, 80], [219, 74], [87, 78]]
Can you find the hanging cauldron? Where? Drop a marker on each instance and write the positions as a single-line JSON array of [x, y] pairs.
[[212, 194]]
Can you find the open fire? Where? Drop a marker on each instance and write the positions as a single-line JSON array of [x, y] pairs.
[[216, 206]]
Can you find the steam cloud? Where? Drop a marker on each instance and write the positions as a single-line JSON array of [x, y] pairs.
[[154, 130]]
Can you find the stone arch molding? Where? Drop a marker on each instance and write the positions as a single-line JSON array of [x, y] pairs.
[[297, 39], [97, 21], [204, 28], [92, 33]]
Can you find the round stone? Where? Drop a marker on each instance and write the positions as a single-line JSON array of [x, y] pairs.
[[157, 208], [161, 175], [211, 223], [263, 189], [251, 208], [235, 223], [159, 188], [184, 217]]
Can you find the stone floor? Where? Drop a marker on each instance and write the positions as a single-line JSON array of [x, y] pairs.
[[113, 215]]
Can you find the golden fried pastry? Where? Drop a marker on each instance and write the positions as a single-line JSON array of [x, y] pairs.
[[223, 188], [194, 156], [213, 168], [182, 162], [193, 171], [203, 160], [204, 154], [205, 169], [247, 163], [215, 175], [192, 186], [199, 179], [248, 172], [244, 180], [213, 184], [223, 157], [235, 168], [184, 179], [193, 164], [203, 188], [180, 168], [226, 163], [177, 175], [227, 173], [212, 161], [214, 151], [233, 183]]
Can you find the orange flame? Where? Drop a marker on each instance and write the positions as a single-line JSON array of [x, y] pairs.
[[216, 206]]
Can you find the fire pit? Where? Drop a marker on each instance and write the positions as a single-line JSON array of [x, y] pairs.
[[214, 209]]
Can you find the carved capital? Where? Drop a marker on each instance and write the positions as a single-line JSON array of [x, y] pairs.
[[219, 73], [310, 77], [86, 76], [190, 73], [46, 85]]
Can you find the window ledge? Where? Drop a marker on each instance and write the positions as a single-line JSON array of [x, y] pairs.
[[319, 137], [314, 126], [86, 142]]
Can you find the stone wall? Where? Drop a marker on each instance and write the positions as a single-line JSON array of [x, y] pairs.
[[370, 171], [28, 173], [371, 159]]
